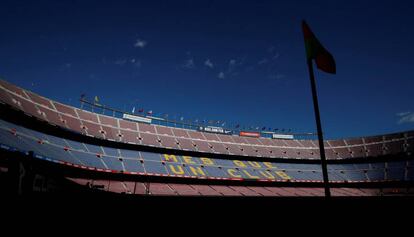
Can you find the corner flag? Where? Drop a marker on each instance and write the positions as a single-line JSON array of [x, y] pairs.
[[324, 61], [315, 51]]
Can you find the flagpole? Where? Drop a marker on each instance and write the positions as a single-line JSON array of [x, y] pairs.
[[319, 129]]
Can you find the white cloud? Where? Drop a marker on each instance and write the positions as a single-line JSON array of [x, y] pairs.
[[232, 62], [189, 63], [125, 61], [232, 65], [221, 75], [137, 64], [406, 117], [403, 114], [65, 66], [121, 62], [208, 63], [140, 43], [263, 61]]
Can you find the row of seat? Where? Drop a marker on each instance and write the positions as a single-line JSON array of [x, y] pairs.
[[147, 163], [171, 189], [120, 130]]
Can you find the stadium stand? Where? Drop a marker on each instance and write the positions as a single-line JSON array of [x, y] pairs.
[[103, 144]]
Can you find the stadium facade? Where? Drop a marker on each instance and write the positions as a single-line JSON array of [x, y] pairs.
[[47, 146]]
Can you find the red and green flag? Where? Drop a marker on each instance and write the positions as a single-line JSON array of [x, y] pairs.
[[315, 51]]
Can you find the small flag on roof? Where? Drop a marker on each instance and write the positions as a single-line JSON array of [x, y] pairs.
[[133, 110], [96, 100], [149, 112], [140, 110]]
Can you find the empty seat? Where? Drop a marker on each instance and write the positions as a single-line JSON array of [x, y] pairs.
[[127, 125], [292, 143], [394, 147], [374, 149], [13, 88], [111, 133], [306, 143], [142, 127], [26, 106], [65, 109], [226, 191], [133, 165], [155, 167], [252, 141], [40, 100], [110, 121], [202, 146], [5, 97], [211, 136], [113, 163], [239, 140], [262, 151], [235, 149], [278, 143], [277, 152], [342, 153], [225, 138], [180, 132], [245, 191], [150, 139], [117, 187], [51, 116], [186, 144], [357, 151], [196, 135], [266, 141], [205, 190], [376, 174], [249, 150], [86, 115], [128, 136], [184, 189], [330, 154], [169, 142], [161, 189], [376, 139], [355, 141], [262, 191], [161, 130], [93, 129], [336, 143], [219, 148]]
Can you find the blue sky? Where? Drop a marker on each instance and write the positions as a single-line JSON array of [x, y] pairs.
[[234, 61]]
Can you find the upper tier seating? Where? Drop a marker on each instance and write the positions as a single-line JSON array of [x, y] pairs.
[[119, 130]]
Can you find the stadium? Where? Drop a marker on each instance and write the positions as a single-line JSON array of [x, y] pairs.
[[49, 147], [146, 102]]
